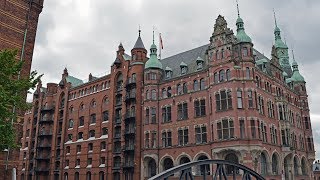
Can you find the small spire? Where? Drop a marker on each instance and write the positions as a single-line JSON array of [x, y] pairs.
[[293, 56], [238, 8], [139, 30], [153, 35], [275, 18]]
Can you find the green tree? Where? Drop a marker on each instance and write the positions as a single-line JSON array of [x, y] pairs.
[[13, 90]]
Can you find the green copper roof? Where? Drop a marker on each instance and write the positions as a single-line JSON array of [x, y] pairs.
[[280, 44], [289, 80], [285, 74], [199, 59], [74, 81], [168, 69], [153, 61], [241, 34], [262, 61], [296, 76]]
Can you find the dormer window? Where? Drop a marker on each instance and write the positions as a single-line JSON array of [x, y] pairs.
[[183, 70], [199, 63], [168, 72]]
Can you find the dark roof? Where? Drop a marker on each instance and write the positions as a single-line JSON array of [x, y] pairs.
[[139, 44], [188, 57]]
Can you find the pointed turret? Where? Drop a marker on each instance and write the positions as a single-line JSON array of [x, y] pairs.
[[241, 34], [277, 35], [296, 76], [153, 61], [139, 44]]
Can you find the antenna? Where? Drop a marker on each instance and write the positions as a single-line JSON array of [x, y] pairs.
[[139, 30]]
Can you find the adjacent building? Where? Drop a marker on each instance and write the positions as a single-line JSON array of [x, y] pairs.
[[18, 27], [222, 100]]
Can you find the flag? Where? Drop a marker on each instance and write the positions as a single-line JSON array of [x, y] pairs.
[[160, 39]]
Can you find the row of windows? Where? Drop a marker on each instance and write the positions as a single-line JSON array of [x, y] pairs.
[[93, 104], [90, 90], [102, 161], [226, 130], [92, 134], [87, 176], [182, 88], [199, 111], [92, 120], [103, 146]]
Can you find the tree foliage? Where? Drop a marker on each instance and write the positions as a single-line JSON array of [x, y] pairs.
[[13, 90]]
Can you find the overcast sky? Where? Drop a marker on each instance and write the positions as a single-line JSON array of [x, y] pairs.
[[83, 35]]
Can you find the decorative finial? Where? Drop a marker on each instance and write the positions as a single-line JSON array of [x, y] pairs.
[[293, 55], [275, 18], [153, 35], [238, 8], [139, 30]]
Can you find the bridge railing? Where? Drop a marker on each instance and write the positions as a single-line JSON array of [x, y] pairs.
[[210, 169]]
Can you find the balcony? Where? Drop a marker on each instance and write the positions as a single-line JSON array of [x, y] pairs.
[[130, 115], [129, 164], [128, 147], [44, 146], [43, 170], [43, 157], [46, 120], [130, 97], [131, 82], [117, 121], [45, 133], [130, 131], [47, 108]]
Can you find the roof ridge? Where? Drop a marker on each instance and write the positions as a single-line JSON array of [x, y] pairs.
[[185, 52]]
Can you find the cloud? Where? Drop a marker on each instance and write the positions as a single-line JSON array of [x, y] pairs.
[[83, 35]]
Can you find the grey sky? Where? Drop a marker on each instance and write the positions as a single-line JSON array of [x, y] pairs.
[[83, 35]]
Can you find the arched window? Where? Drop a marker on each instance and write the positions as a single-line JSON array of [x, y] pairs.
[[263, 161], [203, 169], [153, 94], [228, 73], [216, 77], [247, 73], [295, 166], [152, 168], [184, 160], [101, 175], [275, 164], [167, 164], [119, 82], [233, 158], [92, 133], [221, 75], [147, 94], [179, 89], [202, 84], [76, 176], [164, 93], [22, 176], [65, 176], [195, 85], [303, 167], [169, 92], [88, 176], [185, 88]]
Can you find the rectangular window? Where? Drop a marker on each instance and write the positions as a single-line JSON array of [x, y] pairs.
[[92, 118], [253, 129], [201, 134], [242, 129], [200, 108], [239, 99], [81, 121], [306, 122], [183, 137], [225, 129], [153, 139], [105, 115], [310, 144], [146, 143], [147, 116], [153, 115], [166, 139], [102, 160], [183, 111], [250, 99], [89, 161], [78, 148], [223, 101], [166, 114]]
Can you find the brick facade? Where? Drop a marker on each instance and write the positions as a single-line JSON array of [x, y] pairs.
[[13, 21], [220, 104]]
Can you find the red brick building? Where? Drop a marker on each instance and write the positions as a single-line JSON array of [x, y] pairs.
[[18, 26], [223, 100]]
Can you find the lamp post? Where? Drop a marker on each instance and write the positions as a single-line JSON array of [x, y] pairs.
[[6, 166]]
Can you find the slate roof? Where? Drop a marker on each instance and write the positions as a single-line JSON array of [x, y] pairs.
[[188, 57], [139, 44]]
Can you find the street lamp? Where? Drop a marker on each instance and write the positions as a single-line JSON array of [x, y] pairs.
[[7, 159]]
